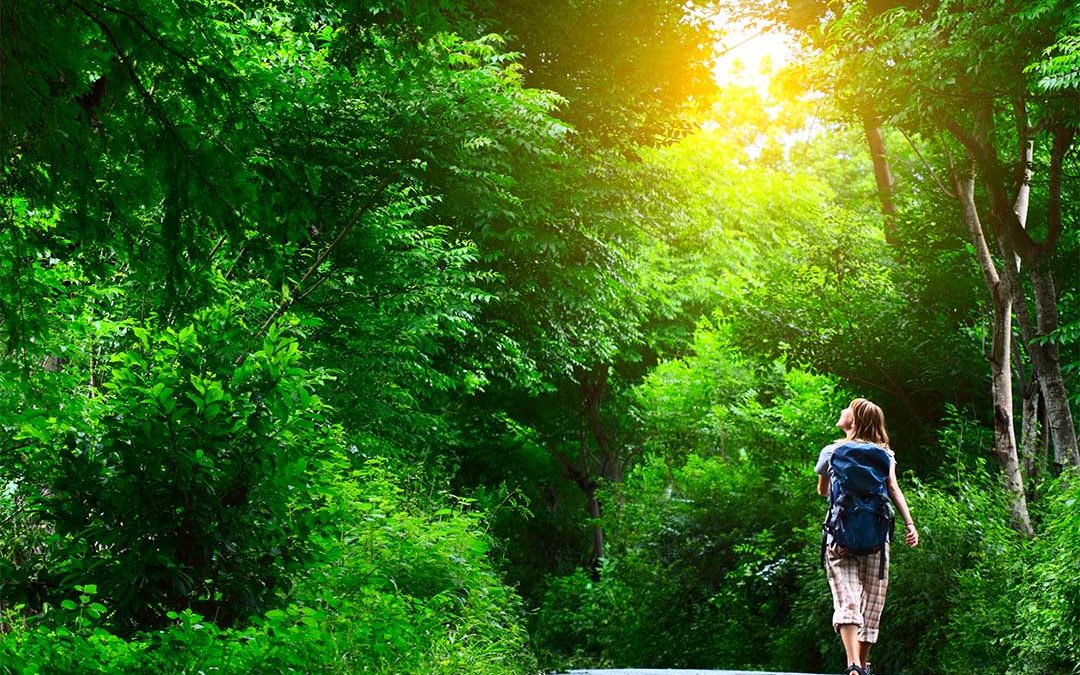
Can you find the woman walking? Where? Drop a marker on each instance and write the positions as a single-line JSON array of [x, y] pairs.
[[859, 582]]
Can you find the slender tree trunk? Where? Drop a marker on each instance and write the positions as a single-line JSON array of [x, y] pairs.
[[1047, 359], [1044, 445], [593, 503], [1030, 430], [1004, 435], [1000, 357], [594, 388], [605, 463], [882, 173], [1045, 356], [581, 475], [1030, 434]]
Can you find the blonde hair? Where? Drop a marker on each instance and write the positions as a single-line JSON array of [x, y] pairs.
[[868, 423]]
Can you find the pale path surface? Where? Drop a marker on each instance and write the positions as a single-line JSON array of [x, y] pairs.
[[661, 671]]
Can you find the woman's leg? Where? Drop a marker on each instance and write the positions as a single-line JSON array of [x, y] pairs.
[[872, 602], [849, 635], [843, 574], [864, 653]]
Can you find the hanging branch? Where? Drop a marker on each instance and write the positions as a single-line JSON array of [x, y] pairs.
[[154, 37], [156, 110], [195, 66]]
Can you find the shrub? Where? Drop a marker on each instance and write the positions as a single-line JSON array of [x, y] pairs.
[[1015, 609], [700, 565], [192, 479], [1046, 593], [402, 585]]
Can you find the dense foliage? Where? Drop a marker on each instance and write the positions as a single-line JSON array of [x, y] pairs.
[[461, 336]]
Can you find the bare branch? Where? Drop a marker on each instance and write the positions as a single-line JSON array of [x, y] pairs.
[[1025, 152], [882, 173]]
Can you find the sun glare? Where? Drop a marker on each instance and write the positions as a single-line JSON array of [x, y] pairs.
[[749, 55]]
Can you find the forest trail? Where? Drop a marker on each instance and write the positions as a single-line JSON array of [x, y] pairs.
[[671, 672]]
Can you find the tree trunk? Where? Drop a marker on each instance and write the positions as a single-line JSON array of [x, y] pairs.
[[1031, 433], [582, 477], [1004, 435], [1047, 360], [594, 387], [1010, 219], [597, 529], [882, 173], [1045, 356], [1000, 357], [604, 463]]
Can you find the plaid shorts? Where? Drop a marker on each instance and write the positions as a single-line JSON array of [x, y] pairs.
[[858, 594]]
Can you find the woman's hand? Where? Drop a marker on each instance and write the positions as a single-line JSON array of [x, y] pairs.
[[912, 536]]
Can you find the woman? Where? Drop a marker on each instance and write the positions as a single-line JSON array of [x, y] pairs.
[[857, 588]]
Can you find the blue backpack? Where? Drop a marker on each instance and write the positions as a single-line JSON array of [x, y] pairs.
[[860, 515]]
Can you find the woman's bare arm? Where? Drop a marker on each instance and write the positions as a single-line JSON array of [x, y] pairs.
[[822, 486], [897, 496]]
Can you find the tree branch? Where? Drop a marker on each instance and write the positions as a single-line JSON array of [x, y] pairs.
[[156, 110], [965, 189], [579, 475], [882, 173], [154, 37], [1025, 152], [1063, 137], [994, 177]]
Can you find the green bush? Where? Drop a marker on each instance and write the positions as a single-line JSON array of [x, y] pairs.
[[409, 584], [700, 565], [402, 585], [964, 530], [192, 478], [1015, 610], [198, 510], [716, 523], [1046, 593]]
